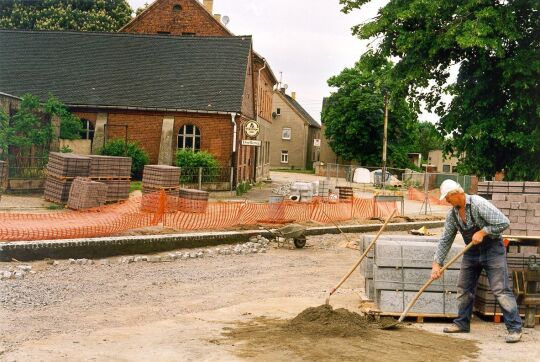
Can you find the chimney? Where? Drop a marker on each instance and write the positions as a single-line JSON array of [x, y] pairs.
[[217, 17], [293, 95], [282, 90], [209, 5]]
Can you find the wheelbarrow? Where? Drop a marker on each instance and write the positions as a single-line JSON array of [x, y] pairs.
[[292, 232]]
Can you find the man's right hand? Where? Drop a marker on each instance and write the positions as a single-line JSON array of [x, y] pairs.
[[436, 271]]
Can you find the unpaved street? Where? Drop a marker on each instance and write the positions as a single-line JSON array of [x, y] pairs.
[[177, 311]]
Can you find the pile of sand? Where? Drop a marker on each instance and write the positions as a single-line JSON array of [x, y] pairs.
[[325, 321]]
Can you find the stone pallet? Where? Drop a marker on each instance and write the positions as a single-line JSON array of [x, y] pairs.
[[68, 165], [57, 190], [85, 193], [117, 190], [412, 279], [161, 176], [488, 188], [523, 211], [109, 167]]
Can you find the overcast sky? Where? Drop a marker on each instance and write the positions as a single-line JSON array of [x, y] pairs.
[[307, 40]]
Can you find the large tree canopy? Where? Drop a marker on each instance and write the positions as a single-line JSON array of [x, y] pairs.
[[494, 117], [353, 115], [83, 15]]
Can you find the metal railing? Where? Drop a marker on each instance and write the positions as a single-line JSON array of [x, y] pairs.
[[26, 168], [218, 178]]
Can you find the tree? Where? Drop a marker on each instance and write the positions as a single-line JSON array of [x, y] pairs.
[[428, 139], [494, 118], [70, 125], [139, 157], [82, 15], [354, 116]]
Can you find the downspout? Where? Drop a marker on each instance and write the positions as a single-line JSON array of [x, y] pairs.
[[258, 154], [233, 159]]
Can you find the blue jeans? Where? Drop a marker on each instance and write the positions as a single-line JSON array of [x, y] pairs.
[[490, 256]]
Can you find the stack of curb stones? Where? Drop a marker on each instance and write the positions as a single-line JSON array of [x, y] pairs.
[[399, 265], [487, 188], [523, 211], [61, 170], [86, 193]]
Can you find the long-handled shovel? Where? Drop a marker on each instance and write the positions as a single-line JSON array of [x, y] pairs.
[[413, 301], [361, 258]]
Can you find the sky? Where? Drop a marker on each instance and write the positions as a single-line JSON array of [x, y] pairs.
[[304, 41]]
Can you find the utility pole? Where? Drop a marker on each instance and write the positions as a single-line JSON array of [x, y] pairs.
[[385, 136]]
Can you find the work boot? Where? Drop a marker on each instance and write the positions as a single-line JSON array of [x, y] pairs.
[[513, 337], [454, 328]]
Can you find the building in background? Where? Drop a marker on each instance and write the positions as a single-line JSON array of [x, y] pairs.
[[295, 135], [440, 163], [193, 18]]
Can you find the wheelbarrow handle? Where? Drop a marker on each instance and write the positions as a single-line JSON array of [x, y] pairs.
[[428, 283], [346, 276]]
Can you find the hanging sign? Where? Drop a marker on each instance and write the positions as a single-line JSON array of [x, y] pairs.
[[252, 129], [317, 142]]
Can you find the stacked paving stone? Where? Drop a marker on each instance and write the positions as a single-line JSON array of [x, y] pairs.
[[85, 194], [113, 171], [523, 211], [399, 265], [487, 188], [193, 201], [61, 170], [155, 179]]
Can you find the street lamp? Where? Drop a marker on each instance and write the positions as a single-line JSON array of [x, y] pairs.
[[385, 135]]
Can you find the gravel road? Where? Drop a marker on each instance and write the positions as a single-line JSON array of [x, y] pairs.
[[177, 310]]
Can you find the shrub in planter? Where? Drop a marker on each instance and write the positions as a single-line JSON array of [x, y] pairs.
[[139, 157]]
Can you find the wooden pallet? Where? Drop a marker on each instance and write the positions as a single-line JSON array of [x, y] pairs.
[[498, 317], [369, 307]]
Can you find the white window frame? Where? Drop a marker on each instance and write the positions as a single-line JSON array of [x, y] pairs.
[[278, 111], [88, 130], [284, 156], [284, 133], [195, 135]]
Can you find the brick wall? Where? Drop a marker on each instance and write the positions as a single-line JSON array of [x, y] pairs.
[[161, 17]]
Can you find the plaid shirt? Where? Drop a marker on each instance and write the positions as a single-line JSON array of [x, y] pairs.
[[487, 217]]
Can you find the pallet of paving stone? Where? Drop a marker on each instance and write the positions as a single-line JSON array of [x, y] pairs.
[[523, 211], [508, 187], [57, 190], [117, 190], [67, 165], [85, 194], [491, 308], [161, 176], [193, 201], [151, 200], [109, 167], [412, 279]]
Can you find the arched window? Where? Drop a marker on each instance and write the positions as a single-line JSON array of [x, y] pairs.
[[87, 132], [177, 8], [189, 138]]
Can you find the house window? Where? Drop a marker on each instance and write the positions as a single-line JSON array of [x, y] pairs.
[[286, 134], [278, 111], [189, 138], [87, 132], [177, 8], [446, 168], [284, 156], [188, 34], [164, 32]]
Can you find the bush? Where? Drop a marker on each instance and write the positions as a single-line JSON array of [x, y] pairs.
[[190, 159], [139, 157]]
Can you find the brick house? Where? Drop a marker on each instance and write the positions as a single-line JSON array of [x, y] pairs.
[[165, 92], [293, 134], [192, 18]]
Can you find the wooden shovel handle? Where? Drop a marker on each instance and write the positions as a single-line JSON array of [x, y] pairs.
[[346, 276], [413, 301]]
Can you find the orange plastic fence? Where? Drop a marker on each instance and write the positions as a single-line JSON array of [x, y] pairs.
[[158, 207], [414, 194]]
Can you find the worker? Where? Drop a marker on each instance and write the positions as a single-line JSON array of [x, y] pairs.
[[480, 223]]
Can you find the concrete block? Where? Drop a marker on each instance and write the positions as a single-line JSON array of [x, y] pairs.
[[501, 204], [533, 227], [514, 219], [369, 288], [521, 219], [532, 220], [498, 197], [412, 279], [428, 303], [515, 212], [393, 253]]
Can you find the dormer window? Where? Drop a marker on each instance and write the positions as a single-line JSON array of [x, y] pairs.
[[176, 8]]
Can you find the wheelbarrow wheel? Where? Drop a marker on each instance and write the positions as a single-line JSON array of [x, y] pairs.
[[300, 242]]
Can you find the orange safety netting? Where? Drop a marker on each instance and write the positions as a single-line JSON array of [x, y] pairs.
[[158, 207], [414, 194]]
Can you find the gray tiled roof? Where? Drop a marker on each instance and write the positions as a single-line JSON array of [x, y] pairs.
[[310, 120], [126, 70]]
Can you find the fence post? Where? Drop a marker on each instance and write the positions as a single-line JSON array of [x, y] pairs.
[[180, 179], [200, 178]]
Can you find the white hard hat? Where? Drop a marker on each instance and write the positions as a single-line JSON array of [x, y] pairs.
[[448, 186]]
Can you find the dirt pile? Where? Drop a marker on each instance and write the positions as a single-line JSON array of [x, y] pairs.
[[325, 321]]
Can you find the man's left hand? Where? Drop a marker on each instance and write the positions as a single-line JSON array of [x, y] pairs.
[[478, 237]]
